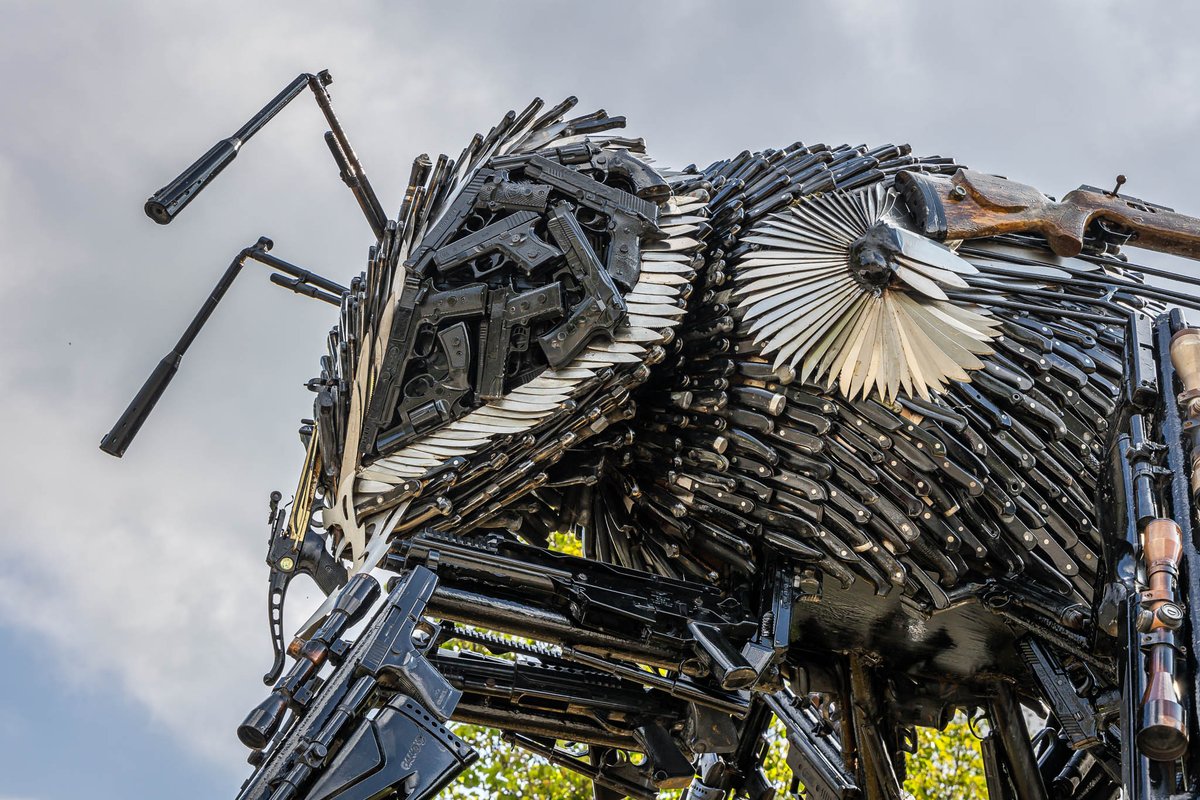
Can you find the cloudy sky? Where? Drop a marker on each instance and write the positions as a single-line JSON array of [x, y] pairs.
[[132, 593]]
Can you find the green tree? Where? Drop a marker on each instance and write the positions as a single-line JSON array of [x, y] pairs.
[[947, 765]]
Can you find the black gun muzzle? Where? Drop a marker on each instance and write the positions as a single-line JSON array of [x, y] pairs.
[[119, 438], [172, 198], [168, 201]]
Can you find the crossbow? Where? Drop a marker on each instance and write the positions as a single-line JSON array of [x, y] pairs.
[[631, 463]]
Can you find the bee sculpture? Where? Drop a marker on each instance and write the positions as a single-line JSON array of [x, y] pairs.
[[847, 438]]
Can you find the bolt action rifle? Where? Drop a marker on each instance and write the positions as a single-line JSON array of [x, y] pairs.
[[972, 204]]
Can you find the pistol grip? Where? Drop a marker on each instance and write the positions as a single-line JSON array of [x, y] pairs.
[[525, 249], [647, 184], [317, 562], [422, 680], [624, 259], [565, 341]]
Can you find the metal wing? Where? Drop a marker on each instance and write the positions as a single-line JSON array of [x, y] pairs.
[[806, 302]]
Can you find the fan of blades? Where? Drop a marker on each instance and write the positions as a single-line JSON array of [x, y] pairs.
[[843, 294]]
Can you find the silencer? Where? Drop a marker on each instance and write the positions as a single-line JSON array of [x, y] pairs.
[[118, 439], [168, 201]]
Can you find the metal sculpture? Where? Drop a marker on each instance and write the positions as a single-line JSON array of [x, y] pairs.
[[851, 439]]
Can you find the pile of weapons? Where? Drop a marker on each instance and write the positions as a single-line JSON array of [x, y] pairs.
[[755, 487], [718, 489]]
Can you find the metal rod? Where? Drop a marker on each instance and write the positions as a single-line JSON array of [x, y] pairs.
[[1062, 312], [359, 184], [1152, 292], [1014, 741], [117, 440], [121, 436], [1181, 512], [168, 201], [303, 275]]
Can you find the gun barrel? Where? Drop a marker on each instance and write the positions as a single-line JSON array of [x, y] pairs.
[[121, 436], [168, 201], [117, 440]]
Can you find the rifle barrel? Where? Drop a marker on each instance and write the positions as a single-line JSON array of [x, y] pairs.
[[168, 201]]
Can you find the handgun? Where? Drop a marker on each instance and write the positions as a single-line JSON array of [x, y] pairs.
[[630, 217], [647, 184], [512, 238], [506, 311], [602, 308]]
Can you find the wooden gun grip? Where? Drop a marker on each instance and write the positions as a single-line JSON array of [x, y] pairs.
[[971, 205]]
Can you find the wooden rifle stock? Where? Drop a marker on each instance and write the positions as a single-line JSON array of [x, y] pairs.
[[970, 205]]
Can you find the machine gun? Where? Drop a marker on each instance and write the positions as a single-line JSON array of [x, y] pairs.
[[595, 608], [333, 747]]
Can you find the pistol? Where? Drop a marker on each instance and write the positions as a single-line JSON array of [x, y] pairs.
[[646, 183], [513, 237], [630, 217], [506, 311], [602, 307]]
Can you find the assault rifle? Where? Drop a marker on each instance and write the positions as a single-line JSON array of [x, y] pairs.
[[593, 608], [333, 746]]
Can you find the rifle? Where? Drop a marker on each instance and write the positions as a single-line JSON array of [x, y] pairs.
[[374, 723], [972, 204], [594, 608], [816, 760]]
